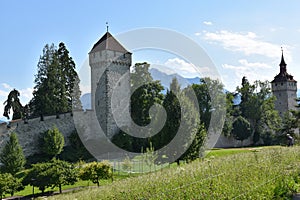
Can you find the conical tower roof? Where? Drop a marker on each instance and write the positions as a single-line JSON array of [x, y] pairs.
[[108, 42]]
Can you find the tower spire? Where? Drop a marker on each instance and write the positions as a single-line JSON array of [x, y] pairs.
[[282, 63]]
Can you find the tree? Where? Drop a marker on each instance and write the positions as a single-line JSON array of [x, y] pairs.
[[211, 99], [39, 176], [241, 129], [57, 83], [9, 184], [41, 103], [257, 106], [69, 77], [230, 111], [95, 171], [146, 93], [194, 132], [62, 173], [51, 174], [194, 150], [52, 142], [12, 156], [172, 107], [13, 102]]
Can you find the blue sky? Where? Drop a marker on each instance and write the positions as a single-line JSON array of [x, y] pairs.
[[243, 38]]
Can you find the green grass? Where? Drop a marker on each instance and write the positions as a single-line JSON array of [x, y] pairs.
[[259, 173], [231, 151]]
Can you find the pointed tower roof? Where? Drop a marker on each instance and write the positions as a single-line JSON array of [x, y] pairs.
[[283, 75], [282, 63], [108, 42]]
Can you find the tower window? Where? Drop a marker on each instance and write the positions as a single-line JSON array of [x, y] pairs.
[[119, 84], [281, 83], [98, 102], [275, 84]]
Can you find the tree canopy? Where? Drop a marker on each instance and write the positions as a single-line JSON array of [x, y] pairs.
[[57, 82], [12, 156]]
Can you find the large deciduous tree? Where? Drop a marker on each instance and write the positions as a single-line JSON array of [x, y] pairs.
[[52, 142], [51, 174], [95, 171]]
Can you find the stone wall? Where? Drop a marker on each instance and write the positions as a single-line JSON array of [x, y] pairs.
[[28, 134]]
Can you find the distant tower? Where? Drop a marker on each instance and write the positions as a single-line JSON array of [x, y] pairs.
[[110, 66], [284, 87]]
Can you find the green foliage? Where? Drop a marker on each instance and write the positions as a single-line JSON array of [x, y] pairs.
[[13, 102], [39, 176], [9, 184], [146, 93], [51, 174], [76, 151], [227, 127], [257, 106], [12, 156], [52, 142], [55, 82], [95, 171], [241, 129], [172, 107], [62, 173]]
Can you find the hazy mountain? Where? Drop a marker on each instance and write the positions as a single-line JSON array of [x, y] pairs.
[[166, 79], [86, 101]]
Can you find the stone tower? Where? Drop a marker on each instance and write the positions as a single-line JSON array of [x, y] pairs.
[[110, 83], [284, 87]]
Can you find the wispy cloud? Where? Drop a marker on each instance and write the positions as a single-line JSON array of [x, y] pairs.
[[208, 23], [6, 86], [184, 68], [248, 43], [252, 70]]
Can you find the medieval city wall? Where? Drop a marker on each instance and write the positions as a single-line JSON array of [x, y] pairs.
[[29, 134]]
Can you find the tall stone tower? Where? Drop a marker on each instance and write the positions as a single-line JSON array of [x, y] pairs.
[[110, 83], [284, 87]]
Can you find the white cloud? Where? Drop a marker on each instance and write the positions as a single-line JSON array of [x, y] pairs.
[[184, 68], [6, 86], [252, 70], [208, 23], [197, 33], [248, 43], [26, 93]]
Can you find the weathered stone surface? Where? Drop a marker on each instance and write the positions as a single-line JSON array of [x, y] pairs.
[[29, 134]]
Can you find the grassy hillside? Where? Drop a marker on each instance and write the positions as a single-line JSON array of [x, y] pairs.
[[256, 174]]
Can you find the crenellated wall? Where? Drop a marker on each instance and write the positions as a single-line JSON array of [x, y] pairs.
[[28, 134]]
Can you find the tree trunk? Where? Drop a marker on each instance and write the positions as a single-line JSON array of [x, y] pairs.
[[60, 188]]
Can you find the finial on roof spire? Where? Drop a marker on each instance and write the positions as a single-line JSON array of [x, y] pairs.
[[107, 26]]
